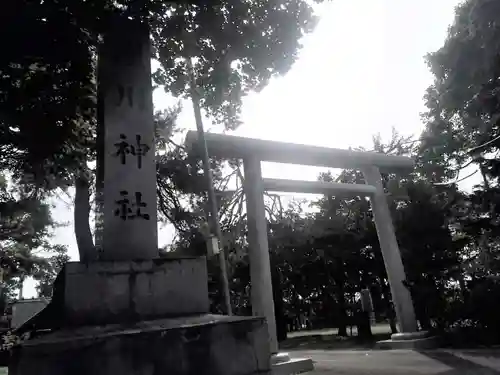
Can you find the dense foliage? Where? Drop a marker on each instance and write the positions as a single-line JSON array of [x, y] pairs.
[[25, 248], [48, 95]]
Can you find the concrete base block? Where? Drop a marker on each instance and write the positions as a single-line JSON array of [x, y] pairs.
[[24, 310], [197, 345], [114, 292], [282, 364], [431, 342], [410, 335], [279, 357]]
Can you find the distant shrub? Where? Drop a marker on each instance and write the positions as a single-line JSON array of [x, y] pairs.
[[10, 339], [473, 320]]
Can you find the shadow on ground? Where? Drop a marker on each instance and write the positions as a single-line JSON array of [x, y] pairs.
[[333, 354], [330, 342], [397, 362], [460, 366]]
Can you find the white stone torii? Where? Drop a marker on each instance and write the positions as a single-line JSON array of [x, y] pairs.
[[253, 151]]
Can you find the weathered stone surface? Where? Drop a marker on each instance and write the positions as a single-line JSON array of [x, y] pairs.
[[130, 225], [401, 336], [230, 146], [282, 364], [201, 345], [113, 292], [24, 310], [431, 342], [401, 296], [293, 366], [260, 267]]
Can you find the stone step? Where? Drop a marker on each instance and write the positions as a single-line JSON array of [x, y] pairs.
[[293, 366], [418, 343], [196, 345]]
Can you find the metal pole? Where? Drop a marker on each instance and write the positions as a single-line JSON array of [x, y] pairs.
[[213, 214]]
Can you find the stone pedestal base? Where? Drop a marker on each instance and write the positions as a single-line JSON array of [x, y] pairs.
[[24, 310], [111, 292], [197, 345], [412, 340], [282, 364]]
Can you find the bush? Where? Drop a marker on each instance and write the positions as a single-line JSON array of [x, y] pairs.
[[474, 320], [9, 340]]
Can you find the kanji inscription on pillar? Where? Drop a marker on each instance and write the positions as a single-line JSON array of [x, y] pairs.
[[138, 150], [130, 225], [128, 209]]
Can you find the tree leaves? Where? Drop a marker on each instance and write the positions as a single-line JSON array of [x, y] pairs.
[[48, 95], [462, 123], [45, 92], [463, 101], [236, 47]]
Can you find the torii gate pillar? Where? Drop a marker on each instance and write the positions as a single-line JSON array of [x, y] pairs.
[[390, 252], [261, 293]]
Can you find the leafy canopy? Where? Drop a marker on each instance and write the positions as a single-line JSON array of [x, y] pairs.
[[48, 95]]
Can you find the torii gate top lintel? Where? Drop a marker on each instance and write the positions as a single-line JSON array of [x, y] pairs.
[[230, 146]]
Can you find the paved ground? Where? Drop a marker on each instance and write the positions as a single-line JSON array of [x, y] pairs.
[[403, 362], [334, 357], [399, 362]]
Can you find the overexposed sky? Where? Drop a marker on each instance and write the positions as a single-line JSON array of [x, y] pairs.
[[361, 72]]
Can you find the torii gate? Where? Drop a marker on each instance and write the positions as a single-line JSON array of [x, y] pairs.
[[253, 151]]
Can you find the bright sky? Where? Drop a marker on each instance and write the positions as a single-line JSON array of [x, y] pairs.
[[361, 72]]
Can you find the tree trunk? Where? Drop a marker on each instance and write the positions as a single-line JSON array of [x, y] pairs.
[[363, 325], [392, 320], [99, 183], [342, 305], [391, 314], [3, 299], [279, 313], [463, 285], [21, 287], [342, 313], [83, 233]]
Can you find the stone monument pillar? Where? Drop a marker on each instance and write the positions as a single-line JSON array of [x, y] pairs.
[[132, 312], [130, 230]]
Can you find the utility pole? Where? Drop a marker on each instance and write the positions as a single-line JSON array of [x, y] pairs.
[[2, 301], [213, 215]]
